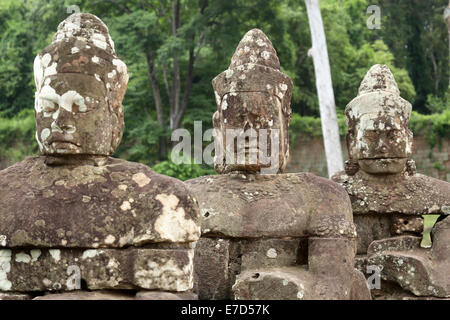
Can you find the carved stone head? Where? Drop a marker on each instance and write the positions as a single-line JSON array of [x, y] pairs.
[[253, 109], [80, 84], [378, 137]]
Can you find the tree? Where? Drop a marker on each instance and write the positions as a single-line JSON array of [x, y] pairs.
[[417, 36], [325, 92]]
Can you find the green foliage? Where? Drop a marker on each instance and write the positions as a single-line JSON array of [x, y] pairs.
[[182, 171], [439, 166], [413, 42], [417, 36], [17, 138], [434, 126], [307, 127], [437, 104]]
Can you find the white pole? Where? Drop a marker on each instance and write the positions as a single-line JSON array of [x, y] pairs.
[[319, 53]]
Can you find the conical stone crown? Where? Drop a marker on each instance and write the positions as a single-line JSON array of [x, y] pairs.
[[255, 48], [378, 78], [378, 94]]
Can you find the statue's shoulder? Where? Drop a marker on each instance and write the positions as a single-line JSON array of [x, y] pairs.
[[147, 183], [327, 191], [430, 193], [26, 164], [19, 173]]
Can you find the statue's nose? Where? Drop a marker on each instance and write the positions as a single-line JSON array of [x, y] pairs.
[[383, 147], [63, 121]]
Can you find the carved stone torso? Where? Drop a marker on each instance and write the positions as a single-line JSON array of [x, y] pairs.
[[116, 205], [409, 195], [280, 205]]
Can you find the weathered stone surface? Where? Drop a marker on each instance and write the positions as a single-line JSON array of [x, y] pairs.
[[400, 243], [404, 194], [14, 296], [423, 272], [211, 265], [402, 224], [218, 261], [361, 263], [370, 228], [296, 283], [66, 216], [378, 136], [413, 272], [157, 295], [115, 205], [117, 295], [281, 205], [23, 270], [252, 95], [87, 295], [272, 253]]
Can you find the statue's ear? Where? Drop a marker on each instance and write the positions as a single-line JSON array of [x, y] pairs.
[[349, 139], [216, 119]]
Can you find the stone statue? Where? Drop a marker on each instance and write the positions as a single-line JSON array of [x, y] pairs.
[[252, 95], [260, 230], [115, 224], [388, 196]]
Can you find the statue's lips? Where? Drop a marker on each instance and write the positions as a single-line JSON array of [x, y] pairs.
[[64, 145], [59, 141]]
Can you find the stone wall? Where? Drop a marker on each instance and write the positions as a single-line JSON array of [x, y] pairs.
[[308, 155]]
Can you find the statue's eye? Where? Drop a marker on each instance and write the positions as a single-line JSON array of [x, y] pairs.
[[372, 135], [48, 106]]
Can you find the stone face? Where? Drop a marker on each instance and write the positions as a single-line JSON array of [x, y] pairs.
[[115, 205], [378, 138], [282, 205], [79, 72], [66, 269], [253, 97]]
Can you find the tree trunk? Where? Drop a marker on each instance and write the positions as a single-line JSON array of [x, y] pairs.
[[447, 20], [324, 86], [176, 87], [158, 103]]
